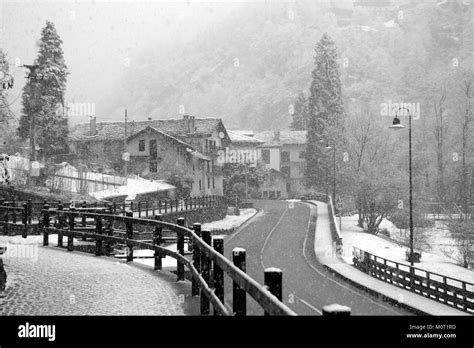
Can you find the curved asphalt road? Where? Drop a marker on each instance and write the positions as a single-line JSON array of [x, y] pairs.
[[278, 237]]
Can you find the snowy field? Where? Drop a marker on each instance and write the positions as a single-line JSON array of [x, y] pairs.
[[434, 261]]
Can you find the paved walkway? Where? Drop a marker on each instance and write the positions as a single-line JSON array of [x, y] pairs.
[[325, 254], [48, 281]]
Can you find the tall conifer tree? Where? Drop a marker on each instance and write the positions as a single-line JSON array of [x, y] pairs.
[[325, 110], [43, 95]]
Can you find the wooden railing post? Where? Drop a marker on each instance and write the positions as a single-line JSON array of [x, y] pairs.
[[157, 235], [159, 206], [273, 281], [45, 224], [180, 247], [98, 239], [129, 228], [146, 208], [30, 211], [153, 208], [218, 275], [239, 295], [109, 245], [6, 227], [114, 208], [124, 207], [24, 220], [13, 211], [60, 224], [166, 207], [139, 209], [206, 268], [196, 260], [336, 310], [131, 207], [70, 237]]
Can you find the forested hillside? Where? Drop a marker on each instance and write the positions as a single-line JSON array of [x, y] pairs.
[[252, 66]]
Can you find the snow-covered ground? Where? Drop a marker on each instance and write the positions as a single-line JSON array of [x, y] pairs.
[[134, 187], [230, 221], [352, 235]]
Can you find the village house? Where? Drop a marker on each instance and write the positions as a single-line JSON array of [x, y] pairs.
[[284, 153], [243, 148], [187, 147]]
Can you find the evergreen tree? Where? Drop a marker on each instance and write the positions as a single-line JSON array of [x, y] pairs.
[[325, 109], [300, 115], [5, 116], [43, 94]]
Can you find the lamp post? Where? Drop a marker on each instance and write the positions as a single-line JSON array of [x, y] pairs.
[[397, 125], [328, 147]]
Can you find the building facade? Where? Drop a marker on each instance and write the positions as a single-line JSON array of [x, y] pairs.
[[187, 147], [284, 151]]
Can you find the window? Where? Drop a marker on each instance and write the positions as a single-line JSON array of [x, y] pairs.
[[285, 156], [141, 145], [153, 167], [302, 154], [266, 156], [213, 183], [286, 170], [278, 194], [208, 182], [200, 185]]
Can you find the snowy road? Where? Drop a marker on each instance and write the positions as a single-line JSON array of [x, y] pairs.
[[279, 238]]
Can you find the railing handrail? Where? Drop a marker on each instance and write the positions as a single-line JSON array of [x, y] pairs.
[[414, 268], [258, 292]]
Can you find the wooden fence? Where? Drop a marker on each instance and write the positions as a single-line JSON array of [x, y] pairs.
[[207, 266], [450, 291], [141, 208]]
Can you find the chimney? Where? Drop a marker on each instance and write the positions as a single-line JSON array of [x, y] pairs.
[[93, 128], [276, 135], [149, 118]]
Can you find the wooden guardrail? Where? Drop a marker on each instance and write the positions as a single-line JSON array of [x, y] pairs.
[[207, 267], [143, 208], [450, 291]]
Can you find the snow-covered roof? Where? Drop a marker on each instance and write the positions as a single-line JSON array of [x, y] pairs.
[[243, 137], [177, 127], [285, 138]]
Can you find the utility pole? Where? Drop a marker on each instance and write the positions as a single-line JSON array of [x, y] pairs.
[[125, 148]]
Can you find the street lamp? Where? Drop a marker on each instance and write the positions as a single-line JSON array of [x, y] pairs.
[[397, 125], [328, 147]]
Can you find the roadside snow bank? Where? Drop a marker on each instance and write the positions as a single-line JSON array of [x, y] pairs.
[[230, 221], [133, 188], [354, 236]]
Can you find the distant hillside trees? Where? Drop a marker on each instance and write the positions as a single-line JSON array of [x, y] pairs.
[[42, 95]]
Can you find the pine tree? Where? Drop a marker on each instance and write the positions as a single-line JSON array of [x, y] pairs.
[[300, 115], [43, 94], [325, 110], [5, 117]]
